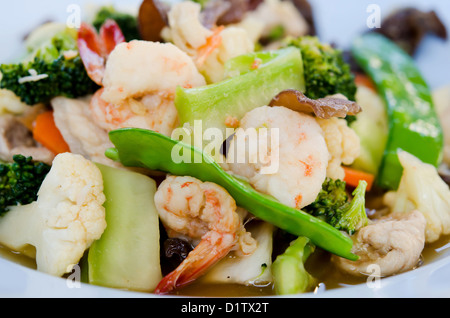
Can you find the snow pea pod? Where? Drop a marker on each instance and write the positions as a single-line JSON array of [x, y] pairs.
[[136, 147], [413, 123]]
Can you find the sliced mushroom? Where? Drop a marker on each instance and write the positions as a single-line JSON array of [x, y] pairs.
[[325, 108], [408, 26], [16, 138], [152, 19]]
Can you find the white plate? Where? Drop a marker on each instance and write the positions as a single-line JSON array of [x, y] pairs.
[[338, 22]]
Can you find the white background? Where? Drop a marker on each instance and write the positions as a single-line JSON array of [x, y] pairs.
[[337, 21]]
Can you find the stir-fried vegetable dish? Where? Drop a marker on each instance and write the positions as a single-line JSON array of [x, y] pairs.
[[194, 146]]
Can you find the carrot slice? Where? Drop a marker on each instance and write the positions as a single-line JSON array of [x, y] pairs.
[[46, 133], [212, 43], [352, 177], [364, 80]]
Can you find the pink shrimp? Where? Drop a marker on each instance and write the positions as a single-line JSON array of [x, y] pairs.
[[95, 48], [203, 210]]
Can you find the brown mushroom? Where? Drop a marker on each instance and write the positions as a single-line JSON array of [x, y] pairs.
[[323, 107], [152, 19], [408, 26]]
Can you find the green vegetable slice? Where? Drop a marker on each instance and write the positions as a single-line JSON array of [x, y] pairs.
[[288, 269], [127, 254], [413, 123], [144, 148], [255, 79]]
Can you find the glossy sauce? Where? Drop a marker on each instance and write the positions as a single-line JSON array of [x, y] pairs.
[[318, 265]]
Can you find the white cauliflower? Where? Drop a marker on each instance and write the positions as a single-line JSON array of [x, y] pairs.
[[66, 218], [343, 145], [421, 188], [10, 103]]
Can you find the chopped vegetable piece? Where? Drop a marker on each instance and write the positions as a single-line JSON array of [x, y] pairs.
[[353, 177], [148, 149], [332, 197], [20, 181], [46, 133], [127, 254], [372, 130], [326, 72], [66, 218], [288, 269], [413, 123], [54, 68], [247, 89], [352, 216]]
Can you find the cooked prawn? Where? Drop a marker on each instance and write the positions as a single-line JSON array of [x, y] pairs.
[[95, 48], [301, 152], [133, 94], [208, 48], [199, 210]]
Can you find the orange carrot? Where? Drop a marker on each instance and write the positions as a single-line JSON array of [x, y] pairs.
[[212, 43], [364, 80], [352, 177], [46, 133]]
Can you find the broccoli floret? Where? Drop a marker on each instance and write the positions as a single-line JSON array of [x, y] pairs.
[[332, 197], [326, 72], [20, 181], [127, 23], [58, 64], [333, 206], [352, 216]]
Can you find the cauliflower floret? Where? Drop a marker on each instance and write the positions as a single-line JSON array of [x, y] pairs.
[[10, 103], [422, 188], [343, 145], [67, 217], [393, 243], [209, 49]]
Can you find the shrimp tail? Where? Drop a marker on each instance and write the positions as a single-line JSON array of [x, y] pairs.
[[212, 248], [95, 48]]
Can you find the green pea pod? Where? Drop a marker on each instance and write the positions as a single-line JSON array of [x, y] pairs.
[[413, 122], [147, 149]]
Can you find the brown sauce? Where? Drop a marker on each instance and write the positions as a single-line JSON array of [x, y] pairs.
[[318, 265]]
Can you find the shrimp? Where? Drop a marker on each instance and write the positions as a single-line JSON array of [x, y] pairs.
[[138, 80], [94, 48], [208, 48], [301, 153], [199, 210]]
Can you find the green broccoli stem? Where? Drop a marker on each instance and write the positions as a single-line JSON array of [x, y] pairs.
[[352, 216], [257, 78], [288, 269]]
